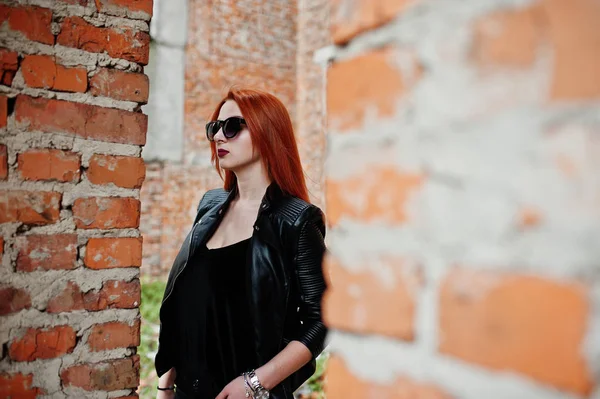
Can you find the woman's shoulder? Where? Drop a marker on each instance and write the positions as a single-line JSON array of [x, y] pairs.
[[296, 211], [212, 197], [294, 214], [215, 194]]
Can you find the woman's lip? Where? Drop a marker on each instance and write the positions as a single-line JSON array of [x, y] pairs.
[[222, 152]]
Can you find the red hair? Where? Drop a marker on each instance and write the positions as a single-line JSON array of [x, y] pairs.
[[272, 134]]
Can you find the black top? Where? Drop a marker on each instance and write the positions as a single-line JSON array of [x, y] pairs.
[[213, 331]]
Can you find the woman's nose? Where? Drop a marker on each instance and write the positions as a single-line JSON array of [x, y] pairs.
[[219, 136]]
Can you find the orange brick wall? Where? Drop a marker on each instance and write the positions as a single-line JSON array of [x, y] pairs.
[[313, 35], [462, 196], [71, 135]]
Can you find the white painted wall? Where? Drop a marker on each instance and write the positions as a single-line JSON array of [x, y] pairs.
[[166, 71]]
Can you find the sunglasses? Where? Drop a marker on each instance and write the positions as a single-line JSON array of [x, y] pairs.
[[231, 127]]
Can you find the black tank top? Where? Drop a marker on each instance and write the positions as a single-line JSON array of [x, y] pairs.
[[214, 340]]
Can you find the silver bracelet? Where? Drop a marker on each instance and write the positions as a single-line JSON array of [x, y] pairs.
[[247, 387], [259, 391]]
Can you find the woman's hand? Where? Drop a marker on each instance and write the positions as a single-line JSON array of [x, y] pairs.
[[165, 394], [234, 390]]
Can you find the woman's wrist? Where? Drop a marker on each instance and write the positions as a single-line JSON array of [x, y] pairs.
[[265, 377], [167, 380]]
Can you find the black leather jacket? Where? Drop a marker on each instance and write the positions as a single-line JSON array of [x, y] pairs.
[[285, 277]]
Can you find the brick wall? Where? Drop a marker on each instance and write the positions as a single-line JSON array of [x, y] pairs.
[[71, 134], [463, 198], [313, 34]]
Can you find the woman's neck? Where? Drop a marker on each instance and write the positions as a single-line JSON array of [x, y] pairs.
[[252, 183]]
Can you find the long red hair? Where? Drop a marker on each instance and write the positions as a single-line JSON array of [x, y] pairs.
[[272, 134]]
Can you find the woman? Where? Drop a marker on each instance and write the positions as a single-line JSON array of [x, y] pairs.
[[241, 313]]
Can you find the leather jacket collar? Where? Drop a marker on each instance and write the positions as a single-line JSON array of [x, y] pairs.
[[272, 194]]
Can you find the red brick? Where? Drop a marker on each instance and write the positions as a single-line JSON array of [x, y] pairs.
[[49, 164], [574, 33], [109, 252], [104, 376], [514, 322], [120, 85], [18, 386], [114, 6], [379, 193], [120, 294], [42, 71], [30, 207], [32, 21], [13, 300], [3, 111], [123, 171], [82, 120], [352, 17], [45, 343], [9, 64], [114, 294], [70, 299], [3, 162], [342, 383], [114, 335], [508, 38], [46, 252], [367, 81], [123, 43], [364, 302], [106, 213], [569, 29]]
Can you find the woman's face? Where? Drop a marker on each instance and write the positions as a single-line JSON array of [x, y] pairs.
[[235, 153]]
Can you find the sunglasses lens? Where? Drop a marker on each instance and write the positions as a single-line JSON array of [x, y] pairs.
[[232, 127], [211, 129]]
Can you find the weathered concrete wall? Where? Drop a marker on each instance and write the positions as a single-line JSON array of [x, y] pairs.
[[463, 194], [71, 135], [165, 109], [165, 70]]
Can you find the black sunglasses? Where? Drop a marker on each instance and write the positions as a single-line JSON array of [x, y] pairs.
[[231, 127]]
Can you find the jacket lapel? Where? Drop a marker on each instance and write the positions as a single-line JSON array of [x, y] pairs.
[[263, 228], [208, 222]]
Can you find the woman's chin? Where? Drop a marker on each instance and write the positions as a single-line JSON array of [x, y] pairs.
[[229, 168], [225, 165], [234, 167]]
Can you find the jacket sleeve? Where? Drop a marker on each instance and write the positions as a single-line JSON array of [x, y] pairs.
[[311, 282]]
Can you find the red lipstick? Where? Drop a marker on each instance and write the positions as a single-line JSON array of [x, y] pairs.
[[221, 152]]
